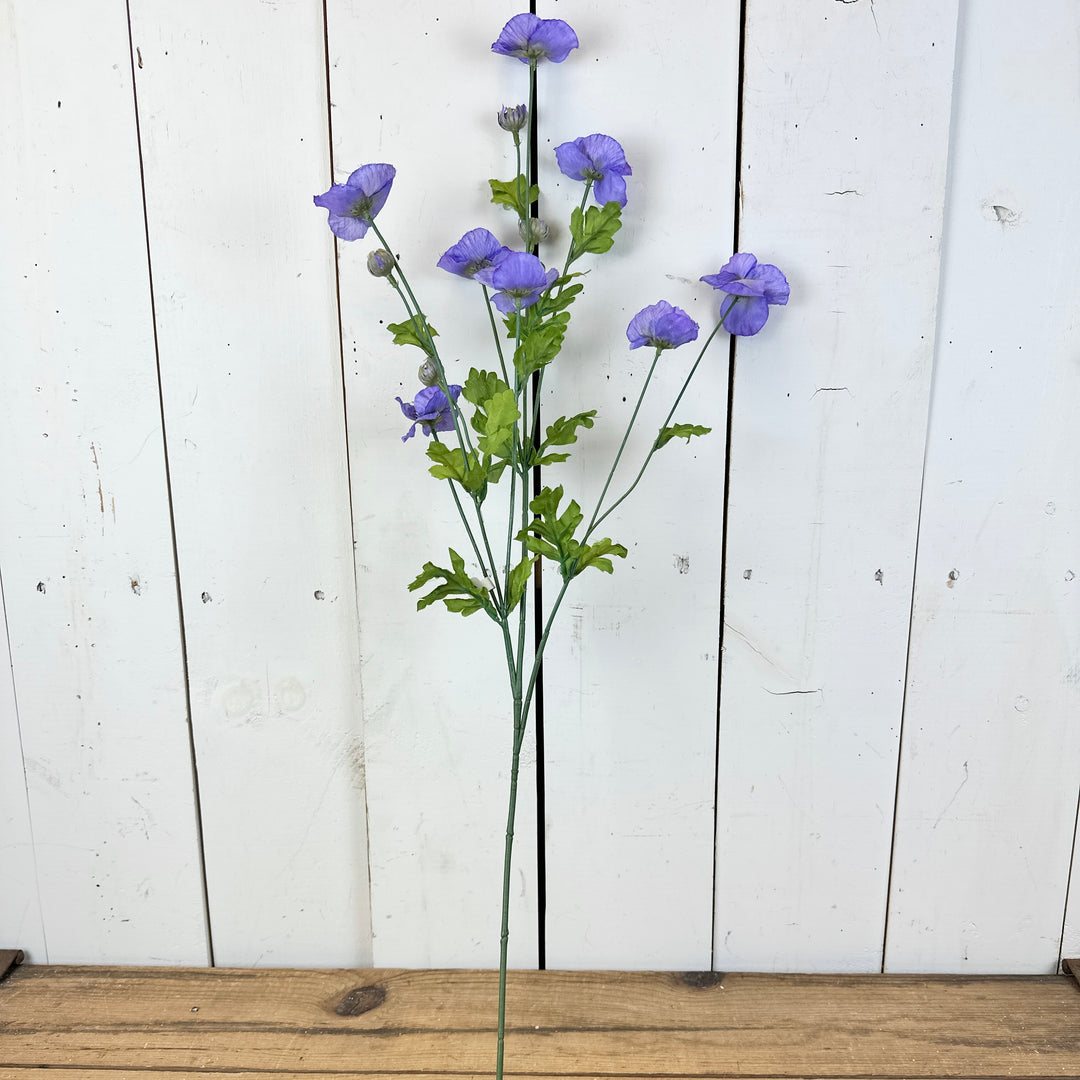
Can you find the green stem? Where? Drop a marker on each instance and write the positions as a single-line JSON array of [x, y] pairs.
[[495, 334], [622, 446], [671, 412]]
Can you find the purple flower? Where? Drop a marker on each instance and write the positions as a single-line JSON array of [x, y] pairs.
[[520, 279], [761, 283], [531, 38], [662, 326], [354, 204], [598, 158], [431, 410], [475, 255]]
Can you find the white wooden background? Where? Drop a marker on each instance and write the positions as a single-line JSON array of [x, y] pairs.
[[228, 738]]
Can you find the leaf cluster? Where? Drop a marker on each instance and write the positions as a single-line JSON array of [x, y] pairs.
[[551, 535]]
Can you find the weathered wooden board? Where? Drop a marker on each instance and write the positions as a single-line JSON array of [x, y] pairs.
[[385, 1023], [418, 87], [630, 676], [21, 920], [989, 777], [845, 129], [89, 583], [232, 109]]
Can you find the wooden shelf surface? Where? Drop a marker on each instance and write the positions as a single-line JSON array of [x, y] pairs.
[[383, 1024]]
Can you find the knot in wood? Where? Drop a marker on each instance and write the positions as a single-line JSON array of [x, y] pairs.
[[360, 1000]]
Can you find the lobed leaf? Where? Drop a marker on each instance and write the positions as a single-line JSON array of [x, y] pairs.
[[509, 193], [413, 333], [594, 231], [679, 431]]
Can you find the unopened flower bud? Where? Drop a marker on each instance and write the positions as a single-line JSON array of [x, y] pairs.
[[428, 373], [381, 263], [533, 231], [512, 118]]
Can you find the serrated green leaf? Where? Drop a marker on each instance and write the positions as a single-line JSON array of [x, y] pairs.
[[564, 431], [413, 333], [594, 231], [454, 465], [510, 193], [495, 420], [481, 385], [540, 346], [680, 431], [546, 459], [457, 591], [597, 555]]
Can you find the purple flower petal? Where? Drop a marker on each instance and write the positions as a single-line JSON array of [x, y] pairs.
[[758, 284], [520, 279], [598, 158], [431, 410], [353, 205], [475, 256], [661, 326], [747, 316], [527, 37]]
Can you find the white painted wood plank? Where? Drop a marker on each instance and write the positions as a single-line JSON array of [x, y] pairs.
[[232, 105], [85, 544], [991, 745], [845, 131], [417, 86], [631, 672], [21, 924]]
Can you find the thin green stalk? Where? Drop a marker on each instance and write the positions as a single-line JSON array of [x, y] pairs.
[[495, 334], [622, 445], [671, 412]]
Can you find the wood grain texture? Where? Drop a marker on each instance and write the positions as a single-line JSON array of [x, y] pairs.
[[828, 431], [559, 1023], [989, 778], [251, 374], [97, 764], [630, 675]]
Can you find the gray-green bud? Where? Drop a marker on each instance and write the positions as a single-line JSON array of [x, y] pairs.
[[428, 373], [381, 263], [512, 118], [533, 231]]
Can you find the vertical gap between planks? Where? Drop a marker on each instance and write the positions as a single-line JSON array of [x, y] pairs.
[[348, 451], [1068, 883], [947, 198], [197, 804], [538, 608], [26, 785], [727, 478]]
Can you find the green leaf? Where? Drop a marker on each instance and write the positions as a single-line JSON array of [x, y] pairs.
[[546, 459], [481, 385], [595, 229], [596, 555], [495, 420], [541, 345], [413, 333], [680, 431], [564, 431], [564, 297], [458, 592], [454, 465], [509, 193], [519, 578]]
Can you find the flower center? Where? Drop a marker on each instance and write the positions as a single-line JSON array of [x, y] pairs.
[[361, 208]]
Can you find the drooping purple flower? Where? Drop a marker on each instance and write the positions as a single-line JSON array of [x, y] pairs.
[[430, 409], [598, 158], [761, 284], [520, 279], [528, 37], [354, 204], [661, 326], [475, 255]]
